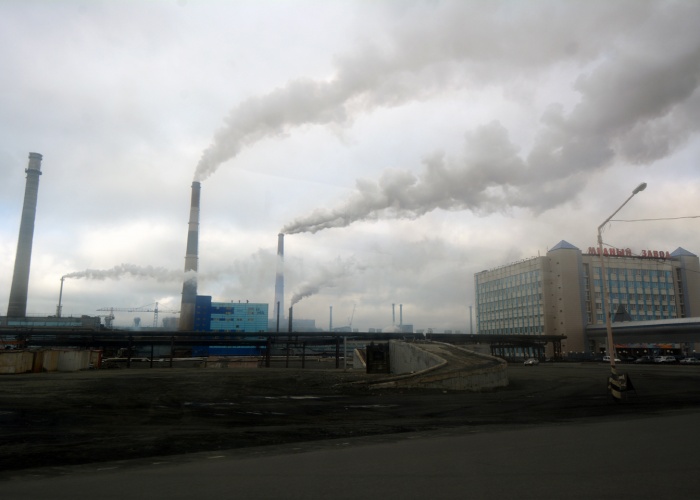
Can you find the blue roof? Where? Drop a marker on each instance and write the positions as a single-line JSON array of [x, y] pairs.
[[563, 245], [682, 252]]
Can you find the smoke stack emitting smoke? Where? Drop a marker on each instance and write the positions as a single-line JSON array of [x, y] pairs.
[[279, 280], [17, 307], [327, 277], [493, 175], [189, 286]]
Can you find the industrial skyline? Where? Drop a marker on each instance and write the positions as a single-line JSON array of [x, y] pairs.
[[418, 144]]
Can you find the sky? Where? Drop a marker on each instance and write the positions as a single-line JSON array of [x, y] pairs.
[[402, 146]]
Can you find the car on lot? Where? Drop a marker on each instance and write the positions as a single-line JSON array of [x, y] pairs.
[[665, 359], [531, 362], [606, 359], [644, 359], [690, 361]]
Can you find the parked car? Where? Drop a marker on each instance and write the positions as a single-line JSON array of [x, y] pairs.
[[665, 359], [644, 359], [606, 359], [690, 361], [532, 362]]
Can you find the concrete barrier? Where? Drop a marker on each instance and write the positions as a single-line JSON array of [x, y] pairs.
[[410, 358], [16, 361], [72, 361], [359, 362], [47, 360], [419, 366]]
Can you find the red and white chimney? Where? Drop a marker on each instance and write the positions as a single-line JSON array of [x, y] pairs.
[[189, 286]]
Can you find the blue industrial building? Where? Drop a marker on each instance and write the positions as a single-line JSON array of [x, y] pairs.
[[245, 317]]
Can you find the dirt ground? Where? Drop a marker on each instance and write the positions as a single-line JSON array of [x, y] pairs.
[[61, 419]]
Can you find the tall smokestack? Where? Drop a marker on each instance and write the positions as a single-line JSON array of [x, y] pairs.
[[189, 286], [279, 279], [393, 314], [17, 307], [401, 315], [330, 321]]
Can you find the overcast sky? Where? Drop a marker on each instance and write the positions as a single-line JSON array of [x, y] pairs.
[[402, 146]]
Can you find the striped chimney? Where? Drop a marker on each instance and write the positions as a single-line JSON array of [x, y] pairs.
[[189, 286]]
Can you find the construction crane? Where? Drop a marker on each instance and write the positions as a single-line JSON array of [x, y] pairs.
[[351, 317], [147, 308]]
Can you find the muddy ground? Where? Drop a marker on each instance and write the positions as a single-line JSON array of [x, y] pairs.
[[59, 419]]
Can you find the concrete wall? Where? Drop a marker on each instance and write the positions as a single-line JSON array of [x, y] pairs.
[[358, 360], [16, 361], [71, 361], [409, 358], [476, 379], [419, 368], [46, 361], [49, 360]]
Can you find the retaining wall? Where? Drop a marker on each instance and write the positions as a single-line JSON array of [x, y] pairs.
[[16, 361], [48, 360], [417, 367]]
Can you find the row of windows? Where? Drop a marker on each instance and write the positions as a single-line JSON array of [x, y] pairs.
[[637, 275], [240, 311], [667, 287], [639, 298], [514, 330], [600, 318], [527, 278], [504, 316], [496, 305]]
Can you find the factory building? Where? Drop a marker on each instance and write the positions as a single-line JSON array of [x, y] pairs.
[[244, 317], [561, 293]]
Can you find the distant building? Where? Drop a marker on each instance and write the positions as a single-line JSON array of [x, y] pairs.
[[561, 293], [54, 322], [241, 317]]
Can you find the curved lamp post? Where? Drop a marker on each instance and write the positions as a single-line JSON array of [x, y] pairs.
[[614, 382]]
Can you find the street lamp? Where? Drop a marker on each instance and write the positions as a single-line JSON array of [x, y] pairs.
[[614, 380]]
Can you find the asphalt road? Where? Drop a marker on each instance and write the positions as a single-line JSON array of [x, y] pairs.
[[554, 424], [586, 460]]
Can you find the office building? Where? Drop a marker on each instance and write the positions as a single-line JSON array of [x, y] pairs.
[[561, 293]]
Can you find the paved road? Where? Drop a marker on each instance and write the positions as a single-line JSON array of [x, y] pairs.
[[650, 457]]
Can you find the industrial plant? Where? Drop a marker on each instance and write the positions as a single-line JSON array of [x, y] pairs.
[[547, 306]]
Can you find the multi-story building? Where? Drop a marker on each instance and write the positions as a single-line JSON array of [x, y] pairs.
[[229, 316], [561, 293]]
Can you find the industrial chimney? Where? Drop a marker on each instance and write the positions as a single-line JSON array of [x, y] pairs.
[[17, 307], [278, 313], [189, 286]]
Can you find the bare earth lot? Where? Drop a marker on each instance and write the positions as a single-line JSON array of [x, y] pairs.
[[60, 419]]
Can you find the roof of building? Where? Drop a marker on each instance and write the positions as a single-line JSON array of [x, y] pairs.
[[682, 252], [563, 245]]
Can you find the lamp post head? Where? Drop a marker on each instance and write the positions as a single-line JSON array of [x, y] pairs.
[[639, 188]]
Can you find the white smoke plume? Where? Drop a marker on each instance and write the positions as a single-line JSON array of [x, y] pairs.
[[433, 47], [631, 110], [134, 271], [326, 278]]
